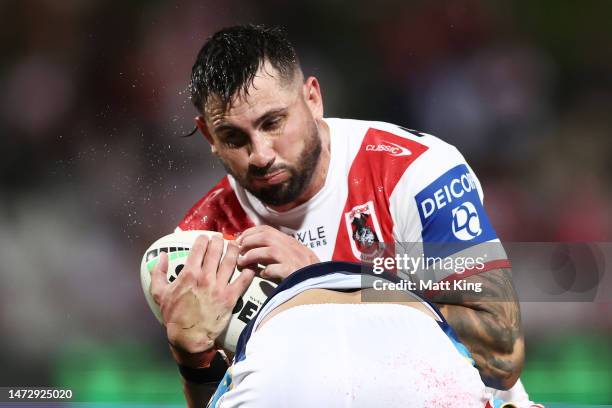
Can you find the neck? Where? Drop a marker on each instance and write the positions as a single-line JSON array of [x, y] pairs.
[[320, 173]]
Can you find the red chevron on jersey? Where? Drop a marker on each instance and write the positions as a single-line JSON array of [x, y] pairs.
[[219, 210], [378, 166]]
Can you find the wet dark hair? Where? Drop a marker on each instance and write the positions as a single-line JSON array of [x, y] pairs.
[[229, 60]]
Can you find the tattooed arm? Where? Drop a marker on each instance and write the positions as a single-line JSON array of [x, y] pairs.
[[489, 324]]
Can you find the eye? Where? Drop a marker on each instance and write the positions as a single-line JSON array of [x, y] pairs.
[[272, 124], [234, 140]]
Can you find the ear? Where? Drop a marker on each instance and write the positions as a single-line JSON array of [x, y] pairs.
[[313, 97], [201, 124]]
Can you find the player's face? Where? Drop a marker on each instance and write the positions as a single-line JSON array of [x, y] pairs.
[[268, 140]]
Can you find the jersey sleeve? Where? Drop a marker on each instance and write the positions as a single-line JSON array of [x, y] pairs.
[[219, 210], [440, 217]]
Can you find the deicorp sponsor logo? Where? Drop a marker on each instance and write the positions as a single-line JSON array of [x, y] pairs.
[[390, 148], [466, 222], [447, 193], [451, 211]]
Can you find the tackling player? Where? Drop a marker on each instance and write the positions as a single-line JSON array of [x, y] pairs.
[[302, 189], [395, 350]]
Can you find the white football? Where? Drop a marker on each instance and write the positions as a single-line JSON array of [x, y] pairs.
[[177, 246]]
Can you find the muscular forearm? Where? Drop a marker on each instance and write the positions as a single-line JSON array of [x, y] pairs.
[[488, 323], [496, 345]]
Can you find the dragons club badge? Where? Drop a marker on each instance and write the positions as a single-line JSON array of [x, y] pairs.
[[364, 231]]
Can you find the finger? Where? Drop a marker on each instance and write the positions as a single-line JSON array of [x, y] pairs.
[[264, 256], [256, 268], [196, 254], [240, 285], [212, 257], [258, 239], [159, 279], [253, 230], [276, 272], [251, 269], [228, 264]]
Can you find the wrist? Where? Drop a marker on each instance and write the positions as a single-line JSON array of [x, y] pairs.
[[200, 359], [211, 375]]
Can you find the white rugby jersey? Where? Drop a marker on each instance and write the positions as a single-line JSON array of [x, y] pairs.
[[385, 184], [307, 361]]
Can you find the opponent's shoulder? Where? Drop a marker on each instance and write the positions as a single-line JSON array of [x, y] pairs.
[[218, 210]]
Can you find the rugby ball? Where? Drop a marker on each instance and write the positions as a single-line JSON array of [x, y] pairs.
[[177, 246]]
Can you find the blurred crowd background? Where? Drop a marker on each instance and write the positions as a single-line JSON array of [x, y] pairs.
[[93, 169]]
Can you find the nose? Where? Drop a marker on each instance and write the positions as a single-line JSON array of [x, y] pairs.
[[262, 152]]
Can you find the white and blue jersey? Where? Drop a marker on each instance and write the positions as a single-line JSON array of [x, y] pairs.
[[247, 382]]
